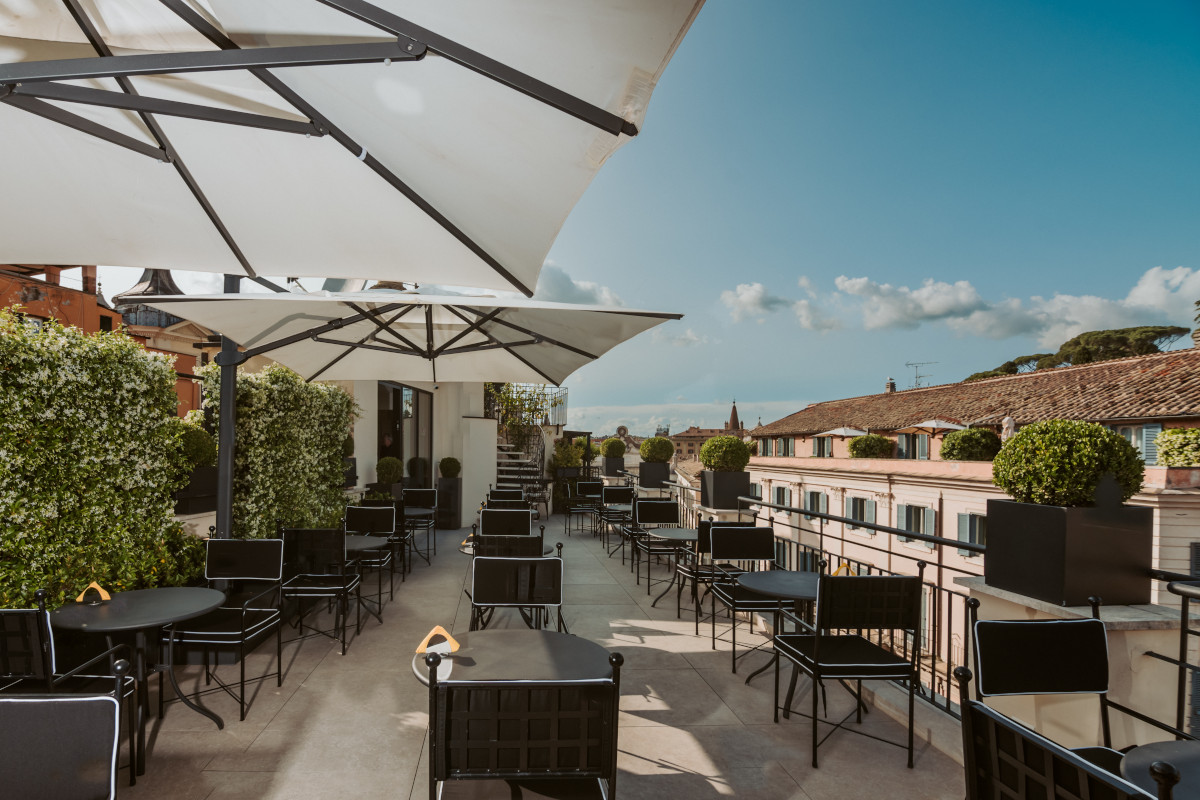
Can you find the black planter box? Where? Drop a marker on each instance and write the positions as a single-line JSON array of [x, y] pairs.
[[200, 494], [613, 466], [449, 511], [651, 474], [1064, 555], [722, 489]]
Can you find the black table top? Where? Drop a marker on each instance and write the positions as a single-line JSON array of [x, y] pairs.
[[1184, 756], [783, 583], [358, 542], [138, 610], [522, 656]]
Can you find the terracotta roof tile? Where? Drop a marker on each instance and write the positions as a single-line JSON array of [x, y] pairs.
[[1157, 386]]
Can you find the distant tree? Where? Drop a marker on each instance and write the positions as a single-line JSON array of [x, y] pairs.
[[1092, 346]]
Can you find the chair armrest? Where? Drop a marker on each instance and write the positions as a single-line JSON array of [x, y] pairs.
[[274, 587], [108, 654]]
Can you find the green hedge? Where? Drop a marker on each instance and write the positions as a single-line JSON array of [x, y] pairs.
[[871, 445], [288, 462], [90, 454], [971, 444], [1059, 462], [1179, 447]]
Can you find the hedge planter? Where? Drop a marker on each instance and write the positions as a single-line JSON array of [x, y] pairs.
[[1064, 555], [449, 511], [722, 489], [199, 496], [613, 467], [651, 474]]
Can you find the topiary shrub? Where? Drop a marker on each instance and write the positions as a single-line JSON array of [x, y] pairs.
[[1059, 462], [348, 447], [613, 448], [871, 445], [725, 454], [657, 450], [199, 446], [389, 470], [1179, 447], [587, 453], [450, 467], [972, 444]]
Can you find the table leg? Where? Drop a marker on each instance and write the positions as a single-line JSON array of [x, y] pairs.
[[674, 576], [183, 698]]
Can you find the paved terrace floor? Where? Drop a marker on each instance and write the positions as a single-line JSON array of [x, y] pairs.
[[355, 725]]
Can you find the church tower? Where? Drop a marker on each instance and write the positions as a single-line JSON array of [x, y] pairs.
[[734, 423]]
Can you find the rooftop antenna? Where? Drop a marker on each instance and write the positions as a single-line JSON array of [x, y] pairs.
[[916, 367]]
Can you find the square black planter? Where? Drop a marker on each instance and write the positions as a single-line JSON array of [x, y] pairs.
[[651, 474], [722, 489], [1064, 555], [200, 494], [613, 466]]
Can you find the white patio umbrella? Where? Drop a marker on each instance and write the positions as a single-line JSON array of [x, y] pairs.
[[405, 335], [932, 426], [440, 141], [843, 432]]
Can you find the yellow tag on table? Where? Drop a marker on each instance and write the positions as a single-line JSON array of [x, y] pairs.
[[437, 641], [99, 590]]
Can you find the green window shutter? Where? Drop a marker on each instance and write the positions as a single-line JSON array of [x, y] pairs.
[[902, 447], [1150, 443], [923, 446], [930, 525], [964, 533], [871, 512], [850, 512], [902, 520], [824, 501], [816, 443]]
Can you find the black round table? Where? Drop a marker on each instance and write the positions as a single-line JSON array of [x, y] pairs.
[[677, 539], [1183, 756], [782, 584], [137, 612], [521, 655], [358, 543]]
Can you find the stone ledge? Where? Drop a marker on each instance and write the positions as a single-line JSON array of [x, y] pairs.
[[1115, 618]]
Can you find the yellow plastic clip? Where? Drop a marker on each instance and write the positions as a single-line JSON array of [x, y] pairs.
[[438, 635], [99, 590]]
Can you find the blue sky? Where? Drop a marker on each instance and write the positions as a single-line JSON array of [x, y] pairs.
[[828, 190]]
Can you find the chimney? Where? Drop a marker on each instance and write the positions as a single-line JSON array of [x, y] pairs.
[[889, 387]]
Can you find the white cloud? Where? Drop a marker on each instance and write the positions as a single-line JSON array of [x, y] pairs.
[[811, 318], [689, 338], [752, 300], [887, 306], [806, 284], [556, 286]]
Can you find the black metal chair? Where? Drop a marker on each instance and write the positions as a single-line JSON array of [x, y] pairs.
[[697, 568], [533, 586], [610, 518], [541, 739], [583, 500], [649, 515], [848, 606], [506, 494], [253, 608], [378, 521], [1050, 656], [314, 568], [505, 522], [400, 539], [509, 505], [427, 523], [1004, 759], [736, 551], [62, 745]]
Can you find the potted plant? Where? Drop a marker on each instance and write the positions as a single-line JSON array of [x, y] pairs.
[[565, 466], [388, 470], [614, 457], [449, 493], [1065, 535], [871, 445], [971, 444], [656, 452], [724, 477], [199, 494]]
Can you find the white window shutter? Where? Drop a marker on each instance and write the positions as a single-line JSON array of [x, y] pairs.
[[871, 511], [816, 443], [850, 512], [923, 446], [1150, 443], [824, 503], [930, 525]]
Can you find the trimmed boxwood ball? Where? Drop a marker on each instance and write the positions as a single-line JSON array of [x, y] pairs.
[[199, 446], [613, 448], [972, 444], [450, 467], [657, 450], [1179, 447], [871, 445], [725, 454], [1059, 462], [389, 470]]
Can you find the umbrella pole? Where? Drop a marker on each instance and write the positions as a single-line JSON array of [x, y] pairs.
[[226, 429]]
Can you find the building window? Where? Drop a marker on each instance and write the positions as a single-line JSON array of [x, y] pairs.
[[784, 447], [764, 447], [916, 519], [783, 497], [823, 447], [913, 445], [816, 501], [972, 528], [860, 509], [105, 322], [756, 490], [1142, 437]]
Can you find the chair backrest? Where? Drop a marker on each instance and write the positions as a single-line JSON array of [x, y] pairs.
[[509, 546], [420, 498], [743, 544], [590, 490], [313, 551], [507, 504], [655, 512], [704, 536], [505, 522], [874, 602], [1052, 656], [506, 494], [397, 491], [60, 745], [617, 494], [370, 519], [26, 646], [244, 559], [516, 581], [1003, 758]]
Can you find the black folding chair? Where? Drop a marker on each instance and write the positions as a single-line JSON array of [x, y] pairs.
[[62, 745], [1046, 656], [501, 495], [314, 568], [379, 521], [510, 505], [1004, 759], [253, 569], [734, 552], [531, 585], [697, 569], [505, 522], [650, 515], [427, 523], [609, 517], [582, 503], [847, 607]]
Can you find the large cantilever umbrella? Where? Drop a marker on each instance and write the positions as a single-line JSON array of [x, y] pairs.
[[435, 141], [412, 336]]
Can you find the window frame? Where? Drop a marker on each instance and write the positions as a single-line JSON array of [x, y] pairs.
[[969, 525]]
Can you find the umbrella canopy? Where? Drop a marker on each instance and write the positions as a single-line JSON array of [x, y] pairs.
[[382, 334], [932, 426], [843, 432], [438, 141]]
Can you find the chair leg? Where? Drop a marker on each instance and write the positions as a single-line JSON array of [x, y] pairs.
[[912, 683], [733, 631], [815, 710], [242, 678], [279, 651], [775, 706]]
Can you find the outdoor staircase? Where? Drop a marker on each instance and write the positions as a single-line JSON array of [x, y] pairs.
[[510, 464]]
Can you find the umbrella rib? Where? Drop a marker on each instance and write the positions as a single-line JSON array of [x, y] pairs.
[[332, 325], [453, 310], [67, 119], [386, 348], [100, 46], [471, 327], [351, 349], [544, 338], [488, 67], [386, 327], [475, 348], [217, 37]]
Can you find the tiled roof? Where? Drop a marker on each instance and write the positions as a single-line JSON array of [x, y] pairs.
[[1158, 386]]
